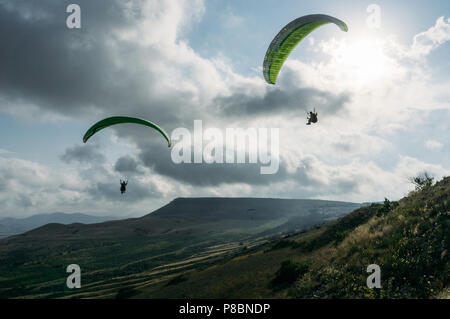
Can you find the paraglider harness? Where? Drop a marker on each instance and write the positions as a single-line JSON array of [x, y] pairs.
[[123, 186], [312, 117]]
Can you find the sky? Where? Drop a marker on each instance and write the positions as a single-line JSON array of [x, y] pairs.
[[381, 91]]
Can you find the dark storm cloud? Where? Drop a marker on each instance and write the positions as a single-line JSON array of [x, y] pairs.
[[204, 175], [72, 71], [159, 159], [277, 100], [126, 164], [59, 69], [83, 154]]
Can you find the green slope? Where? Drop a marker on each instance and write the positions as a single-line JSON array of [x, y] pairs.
[[186, 234], [408, 239]]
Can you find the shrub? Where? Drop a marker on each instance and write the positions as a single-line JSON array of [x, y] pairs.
[[386, 208], [288, 273], [421, 181]]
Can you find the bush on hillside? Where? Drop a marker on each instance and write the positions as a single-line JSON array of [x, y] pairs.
[[421, 181], [288, 273]]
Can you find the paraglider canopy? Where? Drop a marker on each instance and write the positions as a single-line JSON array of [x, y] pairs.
[[288, 38], [123, 119]]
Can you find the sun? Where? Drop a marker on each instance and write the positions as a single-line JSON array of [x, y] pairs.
[[364, 61]]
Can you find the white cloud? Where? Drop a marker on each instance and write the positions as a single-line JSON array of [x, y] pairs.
[[154, 72], [433, 145], [3, 152], [230, 19], [28, 187], [427, 41], [386, 86]]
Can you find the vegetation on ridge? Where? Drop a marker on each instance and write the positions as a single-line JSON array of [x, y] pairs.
[[408, 239]]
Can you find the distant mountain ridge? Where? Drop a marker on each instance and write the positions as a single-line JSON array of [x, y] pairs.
[[204, 215], [238, 207], [185, 233], [12, 226]]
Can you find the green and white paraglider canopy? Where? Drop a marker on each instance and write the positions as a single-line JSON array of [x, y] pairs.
[[123, 119], [288, 38]]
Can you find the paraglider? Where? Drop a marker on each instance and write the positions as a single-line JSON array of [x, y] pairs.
[[288, 38], [312, 117], [123, 186], [123, 119], [119, 120]]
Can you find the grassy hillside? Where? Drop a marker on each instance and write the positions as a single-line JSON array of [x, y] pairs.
[[408, 239], [172, 255], [183, 235]]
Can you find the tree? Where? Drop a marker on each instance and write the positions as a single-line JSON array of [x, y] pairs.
[[422, 181]]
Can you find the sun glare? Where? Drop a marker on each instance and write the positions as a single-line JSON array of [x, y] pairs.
[[363, 61]]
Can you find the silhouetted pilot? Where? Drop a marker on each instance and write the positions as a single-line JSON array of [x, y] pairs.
[[312, 118], [123, 186]]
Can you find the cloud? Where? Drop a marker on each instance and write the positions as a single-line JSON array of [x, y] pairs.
[[23, 200], [427, 41], [359, 144], [230, 19], [433, 145], [35, 47], [28, 187], [104, 67], [276, 100], [204, 175], [135, 59], [323, 164], [357, 180], [127, 164], [408, 167], [82, 154], [4, 152]]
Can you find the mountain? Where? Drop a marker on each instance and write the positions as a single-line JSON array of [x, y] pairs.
[[11, 226], [185, 234], [6, 231], [231, 217], [409, 240], [243, 248]]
